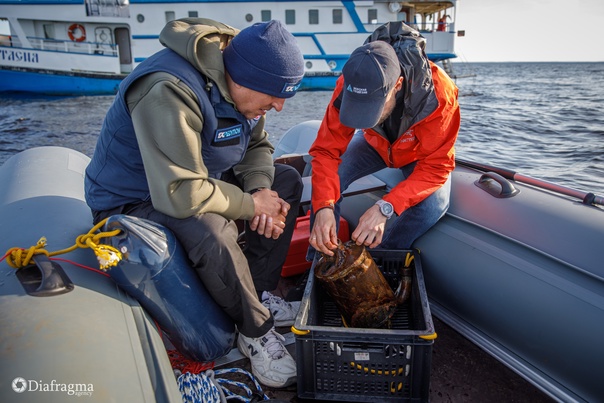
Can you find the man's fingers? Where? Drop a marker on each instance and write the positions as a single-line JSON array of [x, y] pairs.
[[254, 223], [261, 224], [324, 247]]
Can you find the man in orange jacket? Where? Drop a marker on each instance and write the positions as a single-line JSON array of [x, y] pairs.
[[391, 107]]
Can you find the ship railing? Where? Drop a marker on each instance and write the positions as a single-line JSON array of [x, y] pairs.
[[57, 45], [430, 27], [107, 8]]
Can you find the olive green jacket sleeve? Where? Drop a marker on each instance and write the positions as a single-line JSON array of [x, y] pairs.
[[168, 122], [257, 170]]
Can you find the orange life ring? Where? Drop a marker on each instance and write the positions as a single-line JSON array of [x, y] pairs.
[[77, 32]]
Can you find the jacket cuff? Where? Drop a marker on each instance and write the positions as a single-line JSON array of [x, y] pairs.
[[321, 206]]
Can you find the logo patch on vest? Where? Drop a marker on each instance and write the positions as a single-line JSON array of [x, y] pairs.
[[228, 133], [290, 87]]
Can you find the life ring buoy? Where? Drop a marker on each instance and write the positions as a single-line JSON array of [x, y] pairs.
[[77, 32]]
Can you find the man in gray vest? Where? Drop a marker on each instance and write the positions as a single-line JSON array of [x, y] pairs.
[[184, 145]]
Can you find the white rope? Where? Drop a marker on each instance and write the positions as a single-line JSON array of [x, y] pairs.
[[206, 388], [199, 388]]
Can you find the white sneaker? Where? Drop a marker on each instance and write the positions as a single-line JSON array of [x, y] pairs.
[[271, 362], [284, 313]]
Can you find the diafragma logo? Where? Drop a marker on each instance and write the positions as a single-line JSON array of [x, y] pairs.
[[21, 385]]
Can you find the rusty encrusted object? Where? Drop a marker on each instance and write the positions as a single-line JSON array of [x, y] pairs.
[[357, 286]]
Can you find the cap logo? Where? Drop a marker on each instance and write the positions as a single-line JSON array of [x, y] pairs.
[[290, 87], [356, 90]]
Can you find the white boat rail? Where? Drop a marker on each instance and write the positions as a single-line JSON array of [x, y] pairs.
[[57, 45]]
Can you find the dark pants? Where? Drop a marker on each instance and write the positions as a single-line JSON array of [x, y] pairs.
[[232, 276]]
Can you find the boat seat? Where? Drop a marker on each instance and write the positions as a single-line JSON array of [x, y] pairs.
[[359, 196], [366, 184], [354, 206], [301, 162]]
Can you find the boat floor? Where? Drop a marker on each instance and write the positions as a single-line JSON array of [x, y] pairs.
[[461, 371]]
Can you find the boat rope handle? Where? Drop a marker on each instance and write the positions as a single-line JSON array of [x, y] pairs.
[[107, 255]]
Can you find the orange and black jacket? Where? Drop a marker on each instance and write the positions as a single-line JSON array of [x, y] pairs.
[[427, 119]]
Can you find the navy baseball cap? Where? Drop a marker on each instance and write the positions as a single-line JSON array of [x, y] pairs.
[[369, 75]]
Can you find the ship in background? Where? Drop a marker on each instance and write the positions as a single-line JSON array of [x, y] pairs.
[[77, 47]]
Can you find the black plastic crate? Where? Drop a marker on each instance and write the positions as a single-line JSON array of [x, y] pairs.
[[366, 365]]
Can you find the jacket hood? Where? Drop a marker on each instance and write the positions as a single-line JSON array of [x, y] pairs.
[[417, 93], [200, 41]]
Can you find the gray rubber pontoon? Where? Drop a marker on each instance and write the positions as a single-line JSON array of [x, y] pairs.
[[63, 344], [523, 278]]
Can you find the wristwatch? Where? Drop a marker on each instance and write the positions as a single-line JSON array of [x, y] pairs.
[[385, 208]]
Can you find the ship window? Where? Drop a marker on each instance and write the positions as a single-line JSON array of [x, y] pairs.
[[249, 17], [313, 17], [170, 16], [140, 18], [290, 17], [337, 15], [372, 16], [265, 15], [193, 14]]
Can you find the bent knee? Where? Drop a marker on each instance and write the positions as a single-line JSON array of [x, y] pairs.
[[287, 181]]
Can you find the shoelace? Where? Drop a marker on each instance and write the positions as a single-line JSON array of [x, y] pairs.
[[272, 299], [274, 344]]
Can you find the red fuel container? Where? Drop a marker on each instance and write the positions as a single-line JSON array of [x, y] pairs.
[[296, 263]]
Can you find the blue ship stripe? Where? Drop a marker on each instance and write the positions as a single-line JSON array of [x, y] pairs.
[[59, 2], [206, 1], [354, 15]]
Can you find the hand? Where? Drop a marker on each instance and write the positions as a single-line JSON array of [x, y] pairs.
[[324, 235], [267, 202], [370, 230], [271, 212], [268, 226]]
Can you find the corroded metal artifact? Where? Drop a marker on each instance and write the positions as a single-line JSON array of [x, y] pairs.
[[357, 286]]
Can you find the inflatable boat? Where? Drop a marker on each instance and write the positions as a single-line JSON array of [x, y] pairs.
[[516, 266]]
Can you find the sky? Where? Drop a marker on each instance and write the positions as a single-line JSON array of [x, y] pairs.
[[530, 30]]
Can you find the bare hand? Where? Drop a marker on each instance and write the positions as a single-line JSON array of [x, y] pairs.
[[270, 211], [268, 226], [267, 202], [324, 235], [370, 230]]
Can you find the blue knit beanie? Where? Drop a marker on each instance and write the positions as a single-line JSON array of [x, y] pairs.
[[265, 58]]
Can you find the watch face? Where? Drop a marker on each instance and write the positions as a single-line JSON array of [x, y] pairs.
[[386, 208]]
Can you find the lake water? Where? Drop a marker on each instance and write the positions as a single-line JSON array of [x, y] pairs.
[[542, 120]]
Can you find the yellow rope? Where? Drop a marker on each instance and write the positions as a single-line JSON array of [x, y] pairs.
[[107, 255]]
